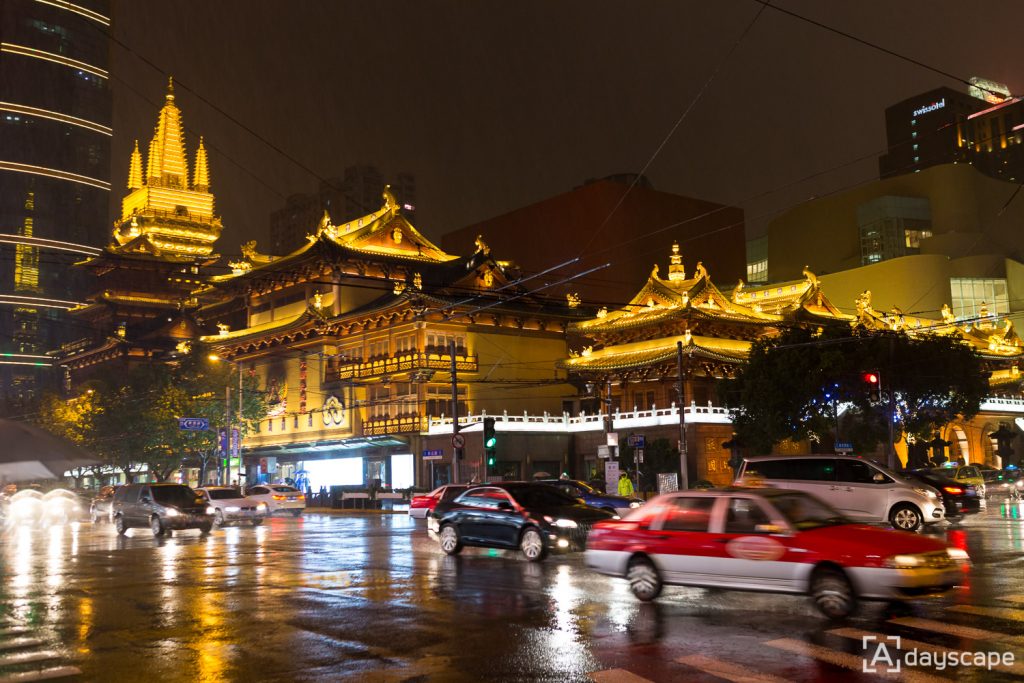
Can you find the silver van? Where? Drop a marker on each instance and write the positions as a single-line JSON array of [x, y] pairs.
[[860, 489]]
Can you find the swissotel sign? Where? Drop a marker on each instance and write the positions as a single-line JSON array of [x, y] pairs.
[[928, 108]]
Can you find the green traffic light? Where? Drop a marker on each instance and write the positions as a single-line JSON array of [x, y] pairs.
[[490, 443]]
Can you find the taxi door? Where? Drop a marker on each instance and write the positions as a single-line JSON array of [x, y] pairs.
[[679, 542], [753, 555]]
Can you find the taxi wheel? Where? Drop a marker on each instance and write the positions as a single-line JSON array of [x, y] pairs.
[[643, 579], [905, 518], [119, 525], [156, 526], [532, 545], [296, 513], [832, 593], [450, 542], [205, 529], [218, 518], [257, 521]]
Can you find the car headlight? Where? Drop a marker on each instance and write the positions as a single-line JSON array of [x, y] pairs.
[[903, 561], [563, 523], [232, 508], [262, 506], [635, 504], [926, 492], [210, 510], [958, 554], [171, 512]]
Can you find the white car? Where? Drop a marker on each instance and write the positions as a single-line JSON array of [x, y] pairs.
[[278, 498], [230, 505]]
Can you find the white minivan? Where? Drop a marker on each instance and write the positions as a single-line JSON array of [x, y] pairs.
[[860, 489]]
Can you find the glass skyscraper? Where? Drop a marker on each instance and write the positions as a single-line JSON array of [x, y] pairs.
[[55, 118]]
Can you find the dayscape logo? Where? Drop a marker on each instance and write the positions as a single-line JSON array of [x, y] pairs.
[[881, 656]]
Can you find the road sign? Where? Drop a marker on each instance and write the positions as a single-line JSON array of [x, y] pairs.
[[458, 441], [639, 455], [844, 447], [613, 438], [604, 452], [637, 441], [435, 454], [193, 424]]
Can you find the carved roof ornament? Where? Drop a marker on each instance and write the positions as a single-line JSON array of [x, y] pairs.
[[239, 267], [687, 337], [602, 312], [223, 329], [738, 294], [318, 301], [812, 279], [254, 257], [587, 350], [481, 246], [417, 281], [656, 272], [573, 299], [864, 303], [399, 287], [326, 225], [700, 271], [947, 314], [676, 270], [390, 203]]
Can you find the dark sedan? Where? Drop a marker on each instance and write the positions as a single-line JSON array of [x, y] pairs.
[[620, 505], [534, 518], [958, 498]]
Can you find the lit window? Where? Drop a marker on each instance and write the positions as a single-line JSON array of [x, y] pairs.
[[968, 295]]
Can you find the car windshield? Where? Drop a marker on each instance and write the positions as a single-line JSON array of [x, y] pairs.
[[283, 489], [541, 496], [807, 512], [175, 495], [222, 494]]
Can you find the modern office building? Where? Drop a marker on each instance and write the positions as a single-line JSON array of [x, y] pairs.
[[344, 199], [55, 117], [983, 127]]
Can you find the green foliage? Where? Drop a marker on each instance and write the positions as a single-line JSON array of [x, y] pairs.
[[794, 383], [133, 419], [660, 456]]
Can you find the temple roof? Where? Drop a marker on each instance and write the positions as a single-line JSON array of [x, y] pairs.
[[791, 298], [654, 351]]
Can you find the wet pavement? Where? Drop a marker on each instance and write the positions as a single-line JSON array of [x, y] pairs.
[[367, 597]]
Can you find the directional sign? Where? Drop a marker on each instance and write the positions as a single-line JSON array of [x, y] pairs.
[[637, 441], [458, 441], [435, 454], [844, 447], [193, 424]]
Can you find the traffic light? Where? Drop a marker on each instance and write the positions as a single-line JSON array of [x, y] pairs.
[[490, 439], [490, 460], [872, 380]]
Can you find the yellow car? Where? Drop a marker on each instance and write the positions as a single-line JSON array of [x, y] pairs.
[[965, 474]]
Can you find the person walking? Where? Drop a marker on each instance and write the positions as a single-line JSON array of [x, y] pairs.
[[625, 485]]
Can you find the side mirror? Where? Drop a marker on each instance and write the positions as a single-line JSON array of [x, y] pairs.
[[879, 478], [504, 505]]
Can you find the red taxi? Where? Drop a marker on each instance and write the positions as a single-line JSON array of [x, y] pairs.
[[772, 540], [421, 506]]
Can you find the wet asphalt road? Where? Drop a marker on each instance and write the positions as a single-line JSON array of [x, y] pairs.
[[372, 598]]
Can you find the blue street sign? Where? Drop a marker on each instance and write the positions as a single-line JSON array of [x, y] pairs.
[[637, 440], [436, 454], [193, 424]]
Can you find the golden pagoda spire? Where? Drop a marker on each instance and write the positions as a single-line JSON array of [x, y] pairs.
[[167, 164], [135, 169], [202, 174], [676, 270]]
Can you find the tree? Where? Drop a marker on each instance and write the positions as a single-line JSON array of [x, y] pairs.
[[660, 456], [794, 385]]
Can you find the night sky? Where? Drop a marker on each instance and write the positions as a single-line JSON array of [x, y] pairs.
[[494, 105]]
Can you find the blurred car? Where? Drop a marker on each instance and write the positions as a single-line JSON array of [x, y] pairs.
[[278, 498], [1003, 483], [535, 518], [965, 474], [421, 506], [957, 498], [619, 505], [162, 508], [24, 507], [61, 506], [773, 540], [230, 505], [99, 508]]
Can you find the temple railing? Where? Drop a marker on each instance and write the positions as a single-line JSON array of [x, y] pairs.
[[407, 362]]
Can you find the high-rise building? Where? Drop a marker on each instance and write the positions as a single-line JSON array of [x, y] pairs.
[[984, 128], [55, 117], [345, 199]]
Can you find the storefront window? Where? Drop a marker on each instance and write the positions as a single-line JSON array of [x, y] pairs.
[[402, 474], [334, 472]]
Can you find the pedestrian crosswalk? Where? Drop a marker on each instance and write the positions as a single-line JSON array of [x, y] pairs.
[[851, 648], [25, 657]]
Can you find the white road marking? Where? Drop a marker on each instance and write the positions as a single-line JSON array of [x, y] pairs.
[[28, 658], [1007, 613], [908, 644], [727, 671], [1016, 599], [42, 675], [611, 676], [18, 643], [843, 659], [968, 632]]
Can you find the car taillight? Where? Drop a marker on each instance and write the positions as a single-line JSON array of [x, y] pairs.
[[300, 497], [279, 497], [955, 490]]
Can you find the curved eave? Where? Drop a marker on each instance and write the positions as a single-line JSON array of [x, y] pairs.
[[257, 331], [699, 312], [646, 353]]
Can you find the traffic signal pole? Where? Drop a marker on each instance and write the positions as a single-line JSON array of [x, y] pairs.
[[683, 458], [457, 455]]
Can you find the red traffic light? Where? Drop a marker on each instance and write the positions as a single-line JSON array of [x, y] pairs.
[[871, 378]]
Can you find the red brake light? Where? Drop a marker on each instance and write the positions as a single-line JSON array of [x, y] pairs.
[[278, 497], [955, 490]]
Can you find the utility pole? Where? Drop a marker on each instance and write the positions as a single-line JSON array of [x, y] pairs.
[[683, 458], [890, 446], [238, 366], [226, 471], [457, 455]]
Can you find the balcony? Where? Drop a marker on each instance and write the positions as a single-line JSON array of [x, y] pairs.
[[338, 370], [377, 426]]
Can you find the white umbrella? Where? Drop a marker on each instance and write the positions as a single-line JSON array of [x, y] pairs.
[[28, 453]]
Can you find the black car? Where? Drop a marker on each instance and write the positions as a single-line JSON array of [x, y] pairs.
[[1002, 483], [958, 498], [535, 518], [160, 507]]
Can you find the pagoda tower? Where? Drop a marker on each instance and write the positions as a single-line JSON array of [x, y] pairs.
[[163, 213]]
